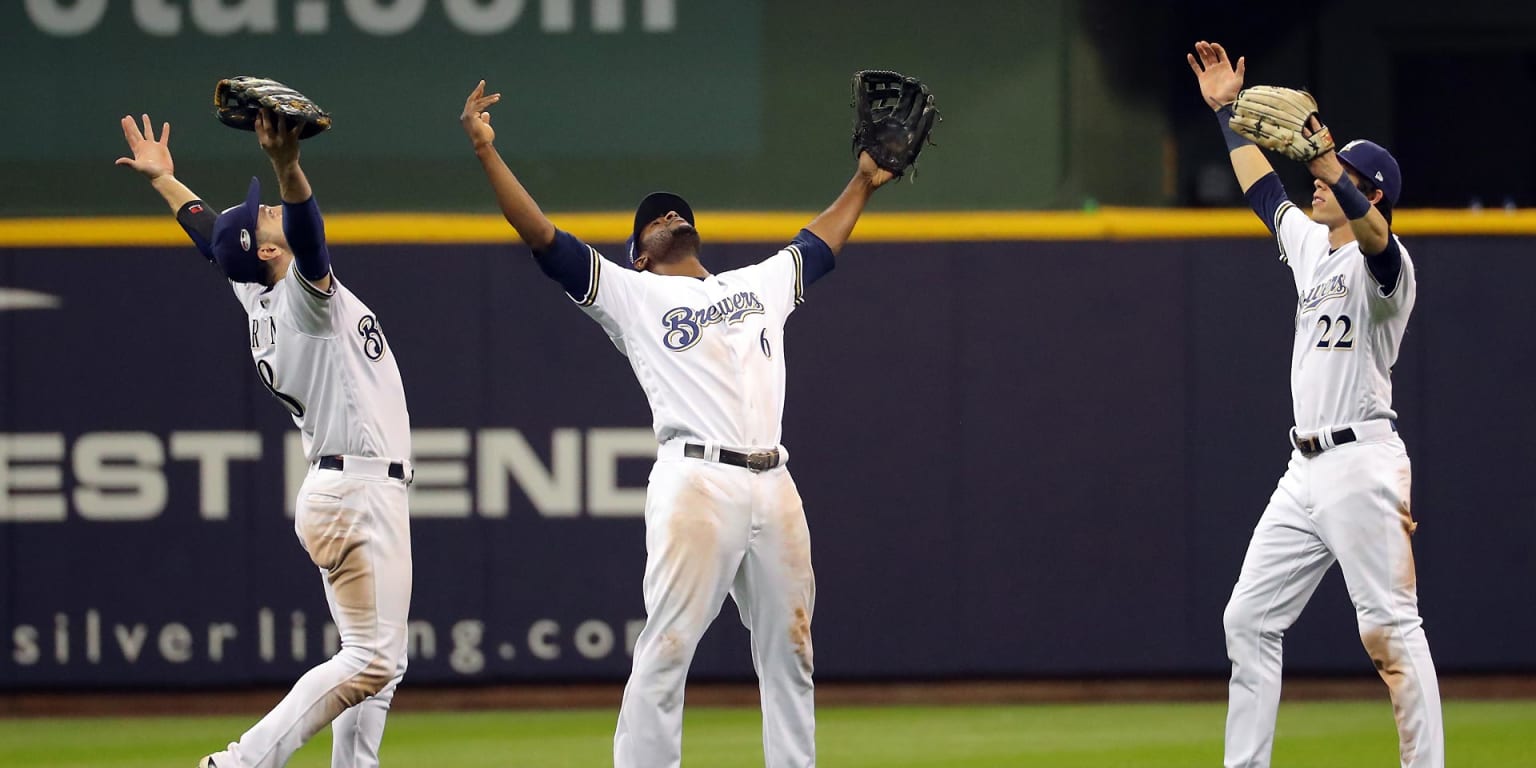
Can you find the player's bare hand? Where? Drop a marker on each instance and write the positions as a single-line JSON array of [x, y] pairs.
[[278, 137], [151, 156], [1220, 79], [1325, 167], [475, 120], [873, 174]]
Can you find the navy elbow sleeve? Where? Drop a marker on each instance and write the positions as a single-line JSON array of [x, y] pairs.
[[197, 221], [1386, 267], [816, 256], [305, 231], [569, 262], [1266, 196]]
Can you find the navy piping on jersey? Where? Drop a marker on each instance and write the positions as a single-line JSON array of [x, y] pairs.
[[597, 276], [1285, 258], [794, 252], [312, 288]]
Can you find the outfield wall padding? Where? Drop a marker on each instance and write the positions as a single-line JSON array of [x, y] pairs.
[[1019, 459]]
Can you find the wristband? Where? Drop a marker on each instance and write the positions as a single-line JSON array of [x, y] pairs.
[[1351, 200], [1224, 116]]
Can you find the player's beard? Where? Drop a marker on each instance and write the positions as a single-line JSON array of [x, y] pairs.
[[673, 244]]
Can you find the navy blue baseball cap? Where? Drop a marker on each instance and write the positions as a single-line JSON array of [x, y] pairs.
[[655, 204], [1376, 166], [234, 239]]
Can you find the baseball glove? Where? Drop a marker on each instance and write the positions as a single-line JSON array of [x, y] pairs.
[[1277, 118], [236, 100], [892, 116]]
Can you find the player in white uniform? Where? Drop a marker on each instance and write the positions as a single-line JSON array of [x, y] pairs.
[[1345, 494], [722, 514], [323, 355]]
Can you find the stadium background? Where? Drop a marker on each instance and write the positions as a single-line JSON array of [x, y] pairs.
[[1034, 413]]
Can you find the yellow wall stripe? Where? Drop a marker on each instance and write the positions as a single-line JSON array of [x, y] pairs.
[[739, 226]]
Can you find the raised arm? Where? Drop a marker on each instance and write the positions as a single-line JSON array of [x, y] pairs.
[[152, 158], [303, 227], [1220, 80], [835, 224], [280, 140], [516, 204]]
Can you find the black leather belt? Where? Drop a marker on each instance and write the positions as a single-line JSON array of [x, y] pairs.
[[757, 461], [396, 469], [1312, 446]]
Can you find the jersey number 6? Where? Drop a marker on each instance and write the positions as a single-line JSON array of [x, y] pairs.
[[269, 378], [1346, 332]]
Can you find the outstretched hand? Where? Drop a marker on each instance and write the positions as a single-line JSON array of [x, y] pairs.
[[151, 156], [1219, 79], [475, 120], [278, 137], [873, 174]]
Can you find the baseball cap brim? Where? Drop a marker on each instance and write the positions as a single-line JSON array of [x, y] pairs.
[[234, 238], [1344, 161]]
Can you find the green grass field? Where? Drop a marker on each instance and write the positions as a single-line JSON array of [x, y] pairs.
[[1483, 734]]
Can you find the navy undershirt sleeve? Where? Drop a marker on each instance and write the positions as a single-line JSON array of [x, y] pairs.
[[305, 231], [567, 261], [1266, 196], [195, 218], [815, 256], [1386, 266]]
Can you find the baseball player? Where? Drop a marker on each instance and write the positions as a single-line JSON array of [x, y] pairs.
[[323, 355], [1345, 494], [722, 514]]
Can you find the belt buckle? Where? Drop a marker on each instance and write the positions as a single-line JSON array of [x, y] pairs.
[[1309, 446], [757, 461]]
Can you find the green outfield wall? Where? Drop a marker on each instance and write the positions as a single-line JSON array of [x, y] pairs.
[[740, 104]]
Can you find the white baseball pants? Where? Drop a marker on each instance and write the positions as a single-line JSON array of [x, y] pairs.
[[1349, 504], [714, 529], [354, 523]]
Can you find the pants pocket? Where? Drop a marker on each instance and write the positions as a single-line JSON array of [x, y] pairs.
[[327, 526]]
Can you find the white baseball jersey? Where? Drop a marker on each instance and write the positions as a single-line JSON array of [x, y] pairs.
[[1348, 328], [708, 352], [324, 357]]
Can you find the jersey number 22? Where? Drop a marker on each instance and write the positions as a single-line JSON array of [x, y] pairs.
[[1338, 333]]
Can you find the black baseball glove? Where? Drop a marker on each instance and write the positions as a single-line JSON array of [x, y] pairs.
[[892, 115], [236, 100]]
